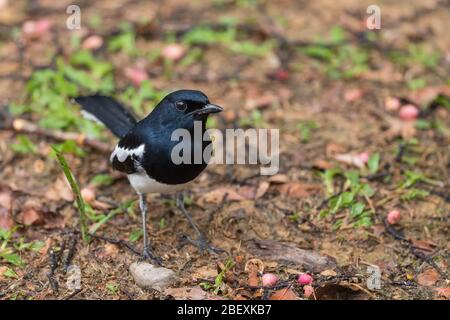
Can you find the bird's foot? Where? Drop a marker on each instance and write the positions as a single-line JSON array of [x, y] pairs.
[[148, 255], [202, 244]]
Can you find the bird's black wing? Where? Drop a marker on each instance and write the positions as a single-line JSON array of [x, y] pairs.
[[128, 154], [108, 111]]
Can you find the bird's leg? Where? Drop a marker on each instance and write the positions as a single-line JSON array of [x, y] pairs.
[[201, 241], [147, 253]]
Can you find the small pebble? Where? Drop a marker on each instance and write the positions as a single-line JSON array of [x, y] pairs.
[[148, 276]]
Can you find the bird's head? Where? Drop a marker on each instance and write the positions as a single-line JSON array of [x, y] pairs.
[[181, 108]]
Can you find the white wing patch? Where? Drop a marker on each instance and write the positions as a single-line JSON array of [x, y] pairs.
[[90, 116], [122, 153]]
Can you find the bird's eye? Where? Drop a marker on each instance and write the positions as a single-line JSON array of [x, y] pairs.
[[181, 105]]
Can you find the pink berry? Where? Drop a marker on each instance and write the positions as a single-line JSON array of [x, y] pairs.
[[136, 75], [173, 51], [392, 104], [364, 157], [308, 291], [408, 112], [36, 29], [269, 279], [393, 216], [304, 278], [92, 42]]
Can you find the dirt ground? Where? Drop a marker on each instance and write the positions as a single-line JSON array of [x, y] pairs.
[[312, 69]]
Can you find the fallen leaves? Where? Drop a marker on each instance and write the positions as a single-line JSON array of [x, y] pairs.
[[428, 278], [299, 190], [6, 221], [60, 190], [284, 294], [443, 292], [289, 253], [190, 293], [254, 267]]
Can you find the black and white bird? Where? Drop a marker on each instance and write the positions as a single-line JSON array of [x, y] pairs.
[[144, 151]]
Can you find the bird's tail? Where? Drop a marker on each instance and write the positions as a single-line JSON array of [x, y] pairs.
[[109, 112]]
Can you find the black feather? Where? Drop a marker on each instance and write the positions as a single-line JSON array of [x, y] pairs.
[[111, 113]]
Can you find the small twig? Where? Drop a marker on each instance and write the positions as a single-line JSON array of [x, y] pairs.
[[73, 294], [50, 275], [23, 126], [119, 242], [70, 252]]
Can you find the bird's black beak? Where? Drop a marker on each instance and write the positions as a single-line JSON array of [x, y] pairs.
[[208, 109]]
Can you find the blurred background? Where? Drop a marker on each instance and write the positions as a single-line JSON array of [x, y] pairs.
[[364, 130]]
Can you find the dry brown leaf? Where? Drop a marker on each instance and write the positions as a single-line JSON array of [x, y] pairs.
[[323, 164], [298, 189], [218, 195], [404, 129], [350, 159], [60, 190], [443, 292], [262, 189], [30, 216], [6, 221], [353, 95], [423, 245], [284, 294], [425, 95], [279, 178], [329, 273], [332, 148], [428, 278], [190, 293], [204, 272]]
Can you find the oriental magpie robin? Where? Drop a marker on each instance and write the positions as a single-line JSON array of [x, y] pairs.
[[145, 147]]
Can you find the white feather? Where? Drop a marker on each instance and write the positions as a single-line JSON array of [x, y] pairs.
[[143, 184], [90, 116], [122, 153]]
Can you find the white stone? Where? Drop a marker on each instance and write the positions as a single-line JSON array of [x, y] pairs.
[[148, 276]]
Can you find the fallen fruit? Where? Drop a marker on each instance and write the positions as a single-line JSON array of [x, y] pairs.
[[393, 217], [269, 279], [304, 278], [408, 112]]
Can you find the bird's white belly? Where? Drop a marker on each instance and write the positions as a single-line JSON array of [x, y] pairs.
[[143, 184]]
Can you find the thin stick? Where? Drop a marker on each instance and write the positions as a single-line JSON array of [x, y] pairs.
[[23, 126]]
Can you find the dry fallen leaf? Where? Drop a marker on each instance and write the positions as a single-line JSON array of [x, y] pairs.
[[204, 272], [190, 293], [284, 294], [443, 292], [278, 178], [425, 95], [29, 216], [218, 195], [428, 278], [350, 159], [6, 221], [298, 189], [60, 190]]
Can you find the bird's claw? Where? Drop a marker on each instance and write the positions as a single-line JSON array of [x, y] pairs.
[[203, 245], [148, 255]]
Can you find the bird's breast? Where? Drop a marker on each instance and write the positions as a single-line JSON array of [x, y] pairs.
[[143, 184]]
